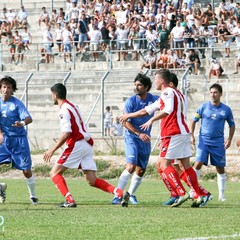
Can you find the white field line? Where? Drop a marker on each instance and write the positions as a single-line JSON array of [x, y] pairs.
[[236, 235]]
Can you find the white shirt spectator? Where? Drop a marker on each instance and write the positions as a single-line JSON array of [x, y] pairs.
[[10, 15], [58, 33], [177, 33], [94, 35], [66, 36], [121, 17]]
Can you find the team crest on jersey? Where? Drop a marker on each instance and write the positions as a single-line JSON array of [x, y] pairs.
[[165, 94], [60, 116], [223, 113], [12, 107]]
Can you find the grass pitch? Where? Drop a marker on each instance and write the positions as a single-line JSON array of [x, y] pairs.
[[96, 218]]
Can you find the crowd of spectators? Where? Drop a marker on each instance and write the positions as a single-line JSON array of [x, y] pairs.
[[172, 31]]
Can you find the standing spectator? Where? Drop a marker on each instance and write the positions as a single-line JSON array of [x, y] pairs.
[[19, 47], [143, 27], [117, 128], [12, 46], [163, 34], [59, 39], [107, 121], [236, 33], [78, 152], [213, 115], [223, 10], [22, 18], [44, 17], [151, 36], [225, 36], [67, 43], [83, 29], [134, 42], [14, 147], [177, 39], [53, 18], [137, 141], [74, 13], [26, 38], [48, 44], [95, 37]]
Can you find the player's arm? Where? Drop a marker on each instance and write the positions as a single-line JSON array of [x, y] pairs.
[[23, 123], [144, 137], [63, 138], [230, 136], [1, 136], [192, 129], [148, 124]]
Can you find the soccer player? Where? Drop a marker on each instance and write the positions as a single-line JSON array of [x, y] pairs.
[[14, 147], [175, 137], [78, 152], [137, 142], [213, 115]]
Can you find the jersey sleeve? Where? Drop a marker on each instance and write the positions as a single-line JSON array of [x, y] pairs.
[[65, 120], [198, 114], [230, 119], [153, 107], [168, 99]]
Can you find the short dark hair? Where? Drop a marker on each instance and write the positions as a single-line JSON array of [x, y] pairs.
[[165, 74], [9, 81], [174, 79], [60, 90], [145, 81], [217, 86]]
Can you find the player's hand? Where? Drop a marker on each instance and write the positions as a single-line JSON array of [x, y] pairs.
[[47, 155], [227, 143], [1, 138], [146, 125], [17, 124], [144, 137], [124, 117], [192, 140]]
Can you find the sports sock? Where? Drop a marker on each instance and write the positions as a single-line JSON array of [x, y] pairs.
[[221, 180], [198, 172], [107, 187], [31, 186], [192, 180], [167, 183], [135, 182], [123, 179], [61, 185], [175, 181]]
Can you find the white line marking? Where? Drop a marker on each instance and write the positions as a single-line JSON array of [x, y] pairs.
[[212, 237]]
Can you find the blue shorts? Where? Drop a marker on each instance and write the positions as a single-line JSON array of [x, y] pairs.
[[217, 154], [137, 152], [16, 150], [67, 47]]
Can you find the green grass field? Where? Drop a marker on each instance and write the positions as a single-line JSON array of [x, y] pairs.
[[96, 218]]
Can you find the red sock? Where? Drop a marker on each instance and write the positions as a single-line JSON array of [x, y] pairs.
[[167, 183], [106, 187], [174, 179], [61, 185], [192, 180]]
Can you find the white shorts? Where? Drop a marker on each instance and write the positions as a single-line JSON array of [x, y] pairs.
[[176, 147], [227, 43], [80, 156]]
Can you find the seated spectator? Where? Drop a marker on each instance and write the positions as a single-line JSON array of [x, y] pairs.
[[236, 33], [12, 18], [189, 38], [150, 60], [223, 10], [26, 38], [54, 18], [237, 64], [194, 61], [117, 128], [215, 69], [183, 63], [173, 60], [44, 17], [162, 61], [22, 18], [5, 28]]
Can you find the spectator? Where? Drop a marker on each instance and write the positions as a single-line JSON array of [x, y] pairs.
[[107, 121], [54, 18], [83, 29], [226, 37], [163, 34], [189, 40], [236, 33], [74, 13], [223, 10], [142, 30], [67, 43], [12, 46], [26, 38], [22, 18], [162, 62], [134, 42], [19, 47], [95, 37], [237, 64], [117, 128], [150, 60], [44, 17], [48, 44], [151, 36], [194, 61], [173, 60], [59, 39], [12, 18], [5, 28], [215, 69]]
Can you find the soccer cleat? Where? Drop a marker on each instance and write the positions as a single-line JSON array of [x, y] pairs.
[[180, 200], [222, 199], [170, 202], [3, 187], [206, 199], [68, 205], [125, 199], [133, 200], [197, 202], [116, 200], [34, 200]]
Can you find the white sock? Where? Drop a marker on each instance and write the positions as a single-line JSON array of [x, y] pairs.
[[31, 186], [135, 182], [221, 180], [123, 179], [198, 172]]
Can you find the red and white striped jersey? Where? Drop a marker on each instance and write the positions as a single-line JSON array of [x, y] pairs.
[[71, 120], [173, 103]]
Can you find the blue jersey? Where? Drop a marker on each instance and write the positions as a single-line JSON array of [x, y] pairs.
[[212, 122], [11, 111], [134, 104]]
